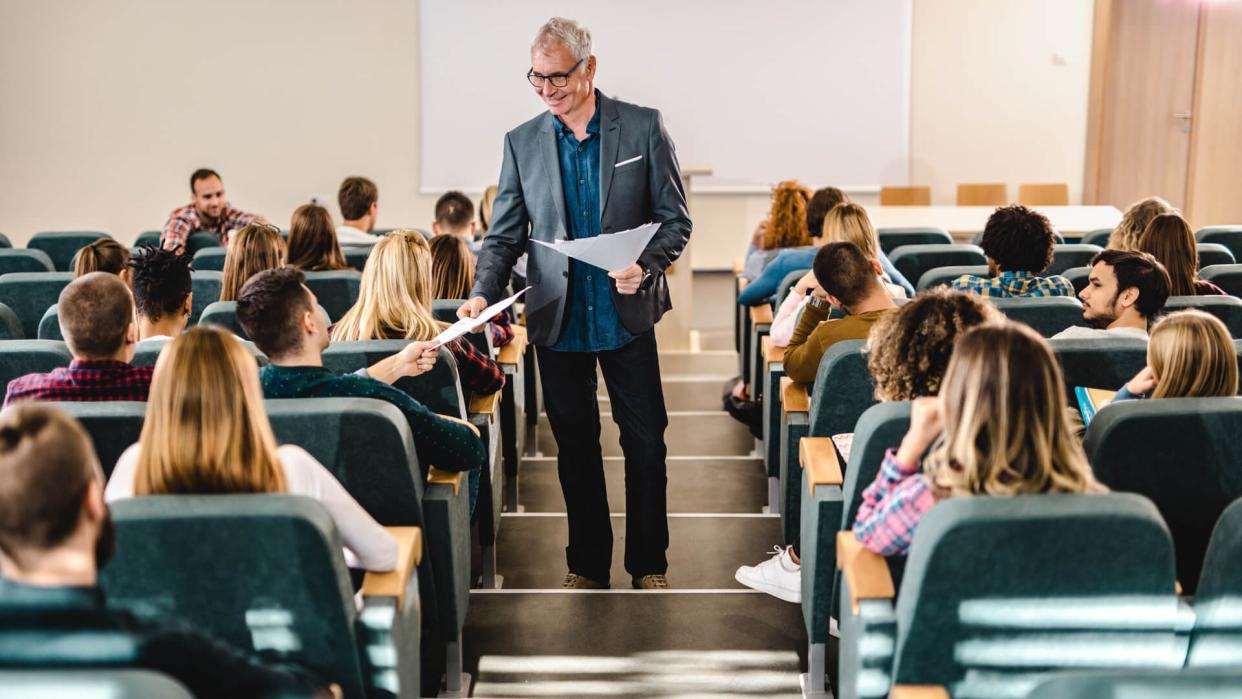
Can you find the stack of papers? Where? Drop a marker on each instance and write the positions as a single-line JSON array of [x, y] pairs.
[[613, 252], [467, 325]]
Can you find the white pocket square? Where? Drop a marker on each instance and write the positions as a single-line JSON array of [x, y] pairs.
[[627, 162]]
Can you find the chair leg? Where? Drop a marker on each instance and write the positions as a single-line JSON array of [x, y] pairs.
[[490, 580], [774, 496], [456, 681], [815, 681]]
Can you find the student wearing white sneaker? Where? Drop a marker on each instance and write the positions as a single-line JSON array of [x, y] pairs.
[[907, 354]]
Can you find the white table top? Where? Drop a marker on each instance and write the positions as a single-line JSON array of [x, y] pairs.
[[963, 222]]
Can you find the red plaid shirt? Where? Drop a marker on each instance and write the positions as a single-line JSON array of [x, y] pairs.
[[478, 373], [83, 380], [186, 220]]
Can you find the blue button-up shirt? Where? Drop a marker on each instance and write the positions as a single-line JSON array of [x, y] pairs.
[[592, 324]]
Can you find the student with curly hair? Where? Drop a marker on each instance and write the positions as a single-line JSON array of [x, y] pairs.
[[1129, 233], [785, 226], [1018, 243], [163, 292]]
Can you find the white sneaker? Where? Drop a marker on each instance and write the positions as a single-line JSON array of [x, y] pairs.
[[778, 576]]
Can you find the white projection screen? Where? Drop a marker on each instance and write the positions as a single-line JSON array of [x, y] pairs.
[[814, 90]]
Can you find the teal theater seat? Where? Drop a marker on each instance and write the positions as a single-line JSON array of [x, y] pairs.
[[63, 246]]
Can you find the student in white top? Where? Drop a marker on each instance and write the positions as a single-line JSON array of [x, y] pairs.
[[163, 292], [1125, 291], [358, 198], [206, 433]]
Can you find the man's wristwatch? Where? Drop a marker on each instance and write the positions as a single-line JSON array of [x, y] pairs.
[[819, 304], [647, 280]]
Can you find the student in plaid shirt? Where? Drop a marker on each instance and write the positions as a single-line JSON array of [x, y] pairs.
[[977, 405], [208, 211], [1019, 244], [97, 321]]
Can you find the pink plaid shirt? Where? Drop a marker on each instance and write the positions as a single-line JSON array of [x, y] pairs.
[[892, 506], [186, 220]]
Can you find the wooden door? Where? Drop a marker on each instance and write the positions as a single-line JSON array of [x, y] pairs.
[[1214, 191], [1143, 78]]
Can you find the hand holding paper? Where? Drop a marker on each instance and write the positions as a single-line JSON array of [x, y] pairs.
[[466, 325], [614, 252]]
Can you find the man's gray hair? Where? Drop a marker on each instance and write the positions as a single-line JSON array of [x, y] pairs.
[[572, 35]]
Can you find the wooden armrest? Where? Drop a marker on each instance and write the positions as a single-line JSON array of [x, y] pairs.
[[819, 459], [438, 477], [761, 314], [484, 404], [771, 352], [409, 555], [864, 570], [512, 352], [793, 397], [918, 691], [473, 428]]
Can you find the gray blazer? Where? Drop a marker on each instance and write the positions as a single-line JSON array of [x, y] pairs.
[[531, 203]]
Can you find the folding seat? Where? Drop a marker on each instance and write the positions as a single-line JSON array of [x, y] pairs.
[[943, 276], [913, 260], [1227, 277], [29, 294], [62, 246], [19, 260], [10, 325], [1070, 255], [1211, 683], [337, 290], [210, 258], [1098, 236], [21, 357], [1216, 640], [112, 425], [355, 256], [1184, 454], [1229, 236], [148, 238], [1048, 315], [1059, 239], [76, 682], [1099, 362], [762, 379], [893, 238], [1227, 308], [1214, 254], [205, 286], [842, 391], [267, 573], [199, 240], [998, 591]]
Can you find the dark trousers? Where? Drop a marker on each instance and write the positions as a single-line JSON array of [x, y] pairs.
[[632, 376]]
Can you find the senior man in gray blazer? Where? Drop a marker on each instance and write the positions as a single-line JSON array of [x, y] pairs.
[[592, 165]]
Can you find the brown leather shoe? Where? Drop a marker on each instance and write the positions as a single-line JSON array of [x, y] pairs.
[[573, 581], [652, 582]]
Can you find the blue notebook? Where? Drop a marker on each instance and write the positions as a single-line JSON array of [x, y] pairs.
[[1090, 400]]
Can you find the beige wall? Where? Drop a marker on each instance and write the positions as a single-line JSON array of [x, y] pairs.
[[110, 106]]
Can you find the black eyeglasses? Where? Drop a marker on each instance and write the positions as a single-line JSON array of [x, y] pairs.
[[557, 79]]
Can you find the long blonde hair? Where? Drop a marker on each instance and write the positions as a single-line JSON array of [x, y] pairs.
[[395, 296], [452, 267], [485, 207], [1128, 233], [251, 250], [1192, 356], [1005, 429], [849, 223], [206, 431]]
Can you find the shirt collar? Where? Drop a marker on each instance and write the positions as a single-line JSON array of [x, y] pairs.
[[1019, 274], [592, 126], [98, 364], [298, 369]]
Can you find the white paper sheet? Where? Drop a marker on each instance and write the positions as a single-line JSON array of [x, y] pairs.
[[613, 252], [466, 325]]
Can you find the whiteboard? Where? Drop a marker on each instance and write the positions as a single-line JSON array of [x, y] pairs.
[[814, 90]]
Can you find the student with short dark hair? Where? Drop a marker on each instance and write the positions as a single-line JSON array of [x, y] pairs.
[[1124, 292], [1018, 243], [208, 211], [55, 536], [455, 217], [313, 246], [97, 321], [163, 292], [850, 281], [358, 198], [103, 255]]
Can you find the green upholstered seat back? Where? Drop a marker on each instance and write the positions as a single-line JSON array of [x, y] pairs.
[[209, 259], [1227, 277], [1183, 453], [1099, 362], [1226, 308], [1098, 236], [21, 260], [843, 389], [997, 588], [1229, 236], [148, 238], [1142, 684], [224, 314], [893, 238], [786, 285], [943, 276], [356, 256], [439, 389], [1217, 637], [49, 324], [1070, 255], [261, 572], [1078, 276], [1214, 254], [1047, 315], [148, 351], [337, 290], [30, 294], [913, 260], [21, 357], [45, 684], [62, 246], [10, 324], [112, 425], [205, 285]]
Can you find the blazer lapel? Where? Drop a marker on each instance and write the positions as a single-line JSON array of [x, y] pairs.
[[610, 133], [552, 166]]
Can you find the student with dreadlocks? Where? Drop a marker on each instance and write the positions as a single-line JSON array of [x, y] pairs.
[[162, 292]]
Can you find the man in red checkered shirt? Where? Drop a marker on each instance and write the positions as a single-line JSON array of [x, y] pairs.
[[97, 320], [207, 211]]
